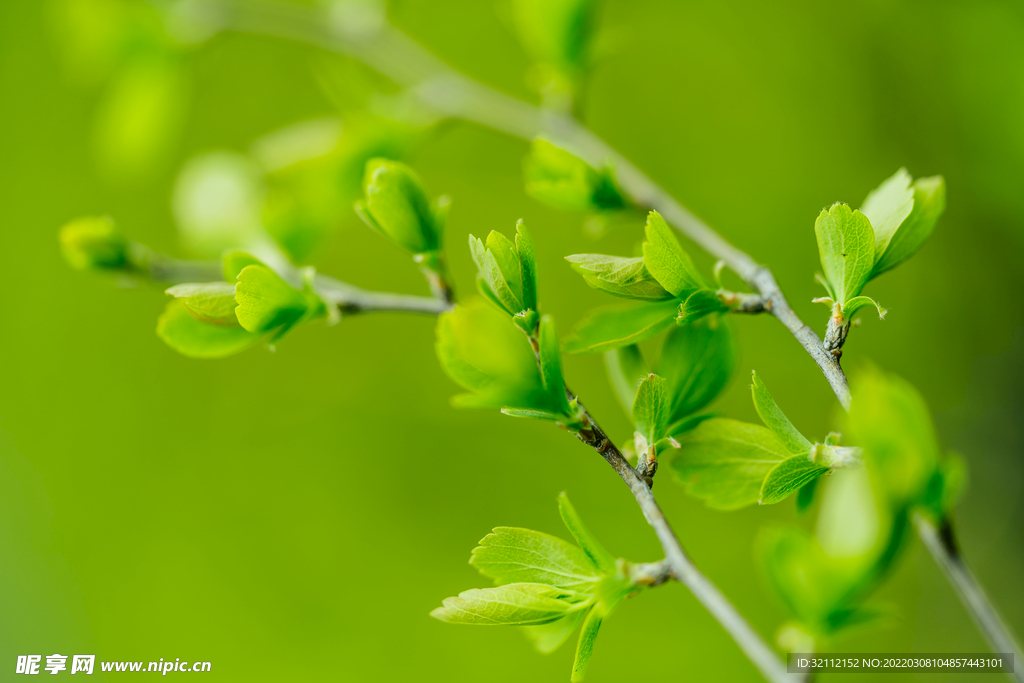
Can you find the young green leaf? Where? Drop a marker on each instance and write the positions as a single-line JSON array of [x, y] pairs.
[[787, 477], [802, 576], [700, 304], [549, 637], [396, 205], [266, 302], [887, 206], [208, 302], [616, 326], [585, 646], [600, 557], [233, 262], [775, 420], [511, 555], [527, 266], [859, 302], [507, 274], [916, 228], [846, 245], [93, 243], [558, 178], [624, 277], [555, 32], [551, 366], [724, 462], [697, 360], [626, 369], [666, 260], [516, 604], [652, 407], [180, 330]]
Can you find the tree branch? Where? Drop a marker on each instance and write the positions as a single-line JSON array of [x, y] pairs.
[[941, 542], [351, 299]]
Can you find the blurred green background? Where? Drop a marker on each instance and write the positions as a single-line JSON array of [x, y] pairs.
[[295, 515]]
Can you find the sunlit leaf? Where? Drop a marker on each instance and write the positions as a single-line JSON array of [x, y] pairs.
[[516, 604], [512, 555], [190, 337]]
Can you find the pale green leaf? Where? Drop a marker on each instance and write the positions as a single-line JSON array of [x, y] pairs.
[[624, 277], [527, 266], [512, 555], [652, 407], [517, 604], [551, 365], [233, 262], [887, 206], [208, 302], [626, 369], [195, 339], [396, 205], [265, 301], [613, 327], [555, 32], [775, 419], [787, 477], [585, 646], [600, 557], [929, 203], [846, 245], [558, 178], [724, 462], [666, 260]]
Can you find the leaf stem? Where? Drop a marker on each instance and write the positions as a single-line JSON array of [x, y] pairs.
[[941, 543]]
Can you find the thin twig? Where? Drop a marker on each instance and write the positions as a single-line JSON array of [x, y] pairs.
[[941, 542], [351, 299]]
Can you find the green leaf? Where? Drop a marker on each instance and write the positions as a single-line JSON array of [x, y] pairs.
[[549, 637], [512, 555], [555, 32], [887, 206], [527, 266], [93, 242], [891, 422], [626, 369], [558, 178], [858, 302], [624, 277], [775, 420], [802, 576], [208, 302], [929, 203], [615, 326], [787, 477], [480, 350], [551, 366], [396, 205], [666, 260], [266, 302], [517, 604], [724, 462], [600, 557], [190, 337], [805, 496], [700, 304], [697, 360], [652, 407], [846, 245], [585, 646]]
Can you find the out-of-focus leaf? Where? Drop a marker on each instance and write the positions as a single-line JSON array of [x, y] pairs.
[[512, 555], [558, 178], [625, 277], [93, 242], [613, 327], [549, 637], [887, 206], [555, 32], [626, 369], [585, 646], [724, 462], [208, 302], [516, 604], [600, 557], [775, 419], [666, 260], [787, 477], [190, 337], [697, 360], [846, 245]]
